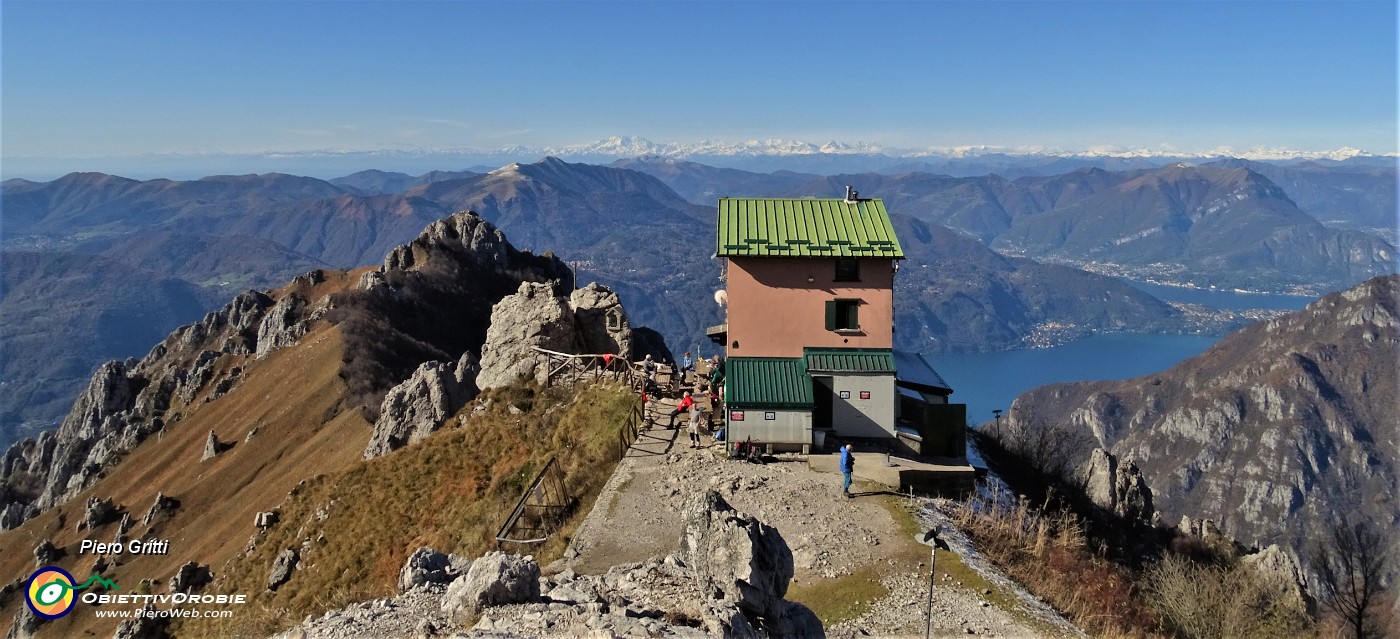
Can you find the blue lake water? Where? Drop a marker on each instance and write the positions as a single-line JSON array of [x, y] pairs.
[[985, 381]]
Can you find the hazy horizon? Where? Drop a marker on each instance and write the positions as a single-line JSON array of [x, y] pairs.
[[136, 81]]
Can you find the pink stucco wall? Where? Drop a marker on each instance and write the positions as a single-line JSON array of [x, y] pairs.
[[774, 311]]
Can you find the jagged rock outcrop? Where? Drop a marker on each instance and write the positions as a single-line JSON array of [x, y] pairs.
[[163, 506], [25, 625], [14, 514], [741, 558], [494, 579], [46, 553], [282, 568], [96, 513], [417, 407], [1286, 422], [212, 447], [590, 320], [190, 577], [282, 325], [1117, 488], [127, 401], [265, 519], [1279, 569]]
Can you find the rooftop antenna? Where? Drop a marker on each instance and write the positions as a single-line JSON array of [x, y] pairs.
[[851, 195]]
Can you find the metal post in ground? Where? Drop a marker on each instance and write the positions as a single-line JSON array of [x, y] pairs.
[[931, 538]]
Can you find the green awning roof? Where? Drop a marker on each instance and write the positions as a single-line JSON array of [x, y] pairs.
[[769, 227], [767, 382], [849, 360]]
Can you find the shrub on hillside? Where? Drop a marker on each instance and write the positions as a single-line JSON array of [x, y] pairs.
[[1210, 601]]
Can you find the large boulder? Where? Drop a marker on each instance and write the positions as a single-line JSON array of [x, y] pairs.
[[496, 579], [590, 320], [426, 566], [422, 403], [282, 569], [743, 560]]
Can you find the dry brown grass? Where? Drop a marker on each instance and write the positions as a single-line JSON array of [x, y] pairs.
[[292, 397], [1050, 554], [450, 492], [1207, 601]]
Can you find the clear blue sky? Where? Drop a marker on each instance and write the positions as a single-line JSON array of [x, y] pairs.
[[124, 78]]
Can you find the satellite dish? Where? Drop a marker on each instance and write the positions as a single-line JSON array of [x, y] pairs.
[[721, 297]]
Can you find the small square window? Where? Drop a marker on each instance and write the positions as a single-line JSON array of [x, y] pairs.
[[843, 315], [847, 269], [770, 415]]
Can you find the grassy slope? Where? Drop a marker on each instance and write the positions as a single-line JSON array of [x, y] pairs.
[[450, 492], [292, 397]]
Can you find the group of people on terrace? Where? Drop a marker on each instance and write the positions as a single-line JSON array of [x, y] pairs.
[[703, 395]]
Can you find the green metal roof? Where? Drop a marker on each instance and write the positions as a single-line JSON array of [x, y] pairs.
[[849, 360], [768, 227], [767, 382]]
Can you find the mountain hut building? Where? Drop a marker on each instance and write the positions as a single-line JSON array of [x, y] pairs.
[[809, 331]]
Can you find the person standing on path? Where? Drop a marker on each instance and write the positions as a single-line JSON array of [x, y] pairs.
[[848, 466], [696, 412]]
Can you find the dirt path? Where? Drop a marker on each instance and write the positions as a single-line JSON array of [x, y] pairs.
[[638, 517]]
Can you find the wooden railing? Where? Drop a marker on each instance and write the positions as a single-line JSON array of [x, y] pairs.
[[573, 368]]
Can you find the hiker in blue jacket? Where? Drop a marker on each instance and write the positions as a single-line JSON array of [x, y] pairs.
[[848, 466]]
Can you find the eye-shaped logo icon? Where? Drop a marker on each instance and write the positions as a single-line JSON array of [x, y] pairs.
[[50, 592]]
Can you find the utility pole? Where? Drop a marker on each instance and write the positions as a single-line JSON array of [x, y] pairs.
[[996, 412]]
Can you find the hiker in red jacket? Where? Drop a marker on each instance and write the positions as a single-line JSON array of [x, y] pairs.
[[683, 407]]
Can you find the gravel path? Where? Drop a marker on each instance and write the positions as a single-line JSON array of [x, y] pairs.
[[638, 517]]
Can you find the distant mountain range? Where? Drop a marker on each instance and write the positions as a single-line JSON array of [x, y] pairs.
[[1221, 224], [625, 227], [753, 155]]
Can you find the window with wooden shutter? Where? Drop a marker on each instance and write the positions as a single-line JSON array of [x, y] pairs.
[[843, 315]]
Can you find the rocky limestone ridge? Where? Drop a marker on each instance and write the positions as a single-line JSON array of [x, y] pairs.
[[422, 403], [436, 292], [431, 302], [1282, 424], [127, 401], [589, 320], [748, 573]]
